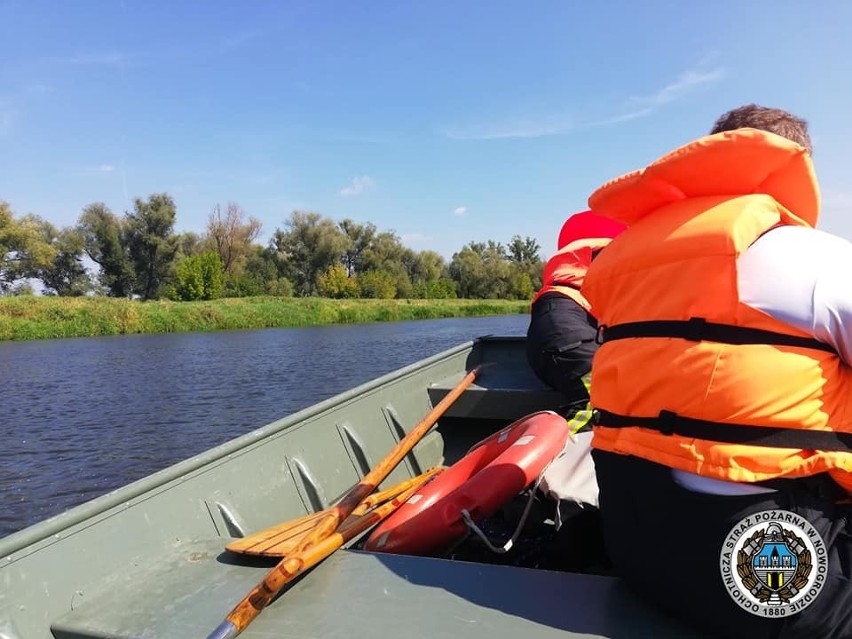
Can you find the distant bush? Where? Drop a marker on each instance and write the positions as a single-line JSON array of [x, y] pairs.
[[442, 289], [377, 285], [198, 277], [335, 282]]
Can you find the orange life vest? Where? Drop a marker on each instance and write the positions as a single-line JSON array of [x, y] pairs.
[[687, 375], [565, 270]]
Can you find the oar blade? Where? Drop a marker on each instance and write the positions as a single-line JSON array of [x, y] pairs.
[[283, 544], [258, 543], [282, 539]]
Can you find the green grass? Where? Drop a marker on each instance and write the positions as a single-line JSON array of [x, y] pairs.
[[29, 318]]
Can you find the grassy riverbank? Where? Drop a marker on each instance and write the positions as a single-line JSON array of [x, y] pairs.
[[27, 318]]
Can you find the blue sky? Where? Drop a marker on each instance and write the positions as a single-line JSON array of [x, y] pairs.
[[444, 121]]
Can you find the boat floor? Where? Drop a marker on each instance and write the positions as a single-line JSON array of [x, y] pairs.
[[361, 594]]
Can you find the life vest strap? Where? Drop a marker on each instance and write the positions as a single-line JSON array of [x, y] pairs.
[[698, 329], [669, 423]]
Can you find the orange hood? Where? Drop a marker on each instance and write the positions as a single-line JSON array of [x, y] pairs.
[[735, 163]]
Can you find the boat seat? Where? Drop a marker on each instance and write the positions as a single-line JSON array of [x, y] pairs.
[[357, 594], [508, 396]]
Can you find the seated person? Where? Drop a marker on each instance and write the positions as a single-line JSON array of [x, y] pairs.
[[722, 388], [560, 347]]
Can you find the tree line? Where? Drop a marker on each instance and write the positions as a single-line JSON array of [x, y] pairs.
[[139, 255]]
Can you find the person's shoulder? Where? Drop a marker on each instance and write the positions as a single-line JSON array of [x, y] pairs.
[[802, 238], [802, 253]]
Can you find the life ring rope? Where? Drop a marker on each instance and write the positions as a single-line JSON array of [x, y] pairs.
[[500, 550]]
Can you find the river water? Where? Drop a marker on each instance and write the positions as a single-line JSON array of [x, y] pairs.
[[82, 417]]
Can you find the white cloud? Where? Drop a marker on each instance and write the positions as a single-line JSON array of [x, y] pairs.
[[461, 210], [641, 106], [360, 184], [518, 127], [633, 108], [99, 169], [625, 117], [685, 84], [106, 58]]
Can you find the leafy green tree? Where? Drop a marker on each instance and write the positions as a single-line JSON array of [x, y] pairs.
[[65, 275], [212, 274], [104, 242], [263, 274], [280, 287], [481, 271], [199, 277], [425, 266], [24, 251], [359, 238], [387, 254], [429, 275], [524, 250], [189, 243], [443, 288], [520, 286], [526, 265], [310, 246], [336, 283], [377, 285], [151, 242]]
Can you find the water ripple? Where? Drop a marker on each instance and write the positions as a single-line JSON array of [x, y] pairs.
[[82, 417]]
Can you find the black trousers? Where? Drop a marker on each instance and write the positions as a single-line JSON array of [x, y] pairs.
[[665, 542], [561, 344]]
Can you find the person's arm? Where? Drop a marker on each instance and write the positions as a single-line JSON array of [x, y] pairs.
[[803, 277]]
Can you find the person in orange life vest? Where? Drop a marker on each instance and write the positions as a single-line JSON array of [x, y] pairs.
[[722, 384], [561, 332], [561, 345]]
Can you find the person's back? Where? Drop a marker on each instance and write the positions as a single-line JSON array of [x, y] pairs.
[[562, 330], [715, 398], [560, 347]]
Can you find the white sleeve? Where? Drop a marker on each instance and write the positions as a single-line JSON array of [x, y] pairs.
[[803, 277]]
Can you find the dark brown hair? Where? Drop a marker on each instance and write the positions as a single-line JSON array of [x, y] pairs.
[[774, 121]]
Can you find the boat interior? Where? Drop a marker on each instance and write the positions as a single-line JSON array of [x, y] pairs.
[[149, 561]]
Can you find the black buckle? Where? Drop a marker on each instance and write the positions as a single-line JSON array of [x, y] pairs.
[[666, 422], [599, 334], [695, 329]]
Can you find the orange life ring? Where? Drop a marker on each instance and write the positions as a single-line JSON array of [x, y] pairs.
[[493, 471]]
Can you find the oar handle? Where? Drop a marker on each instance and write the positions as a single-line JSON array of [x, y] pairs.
[[225, 630], [378, 474], [298, 562]]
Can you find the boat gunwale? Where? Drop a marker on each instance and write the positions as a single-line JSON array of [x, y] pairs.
[[28, 539]]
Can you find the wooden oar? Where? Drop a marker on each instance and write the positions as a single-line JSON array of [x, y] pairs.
[[251, 605], [382, 496], [281, 539], [283, 533], [298, 562]]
